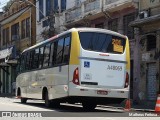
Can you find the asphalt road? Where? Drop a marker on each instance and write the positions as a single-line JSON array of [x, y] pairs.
[[37, 110]]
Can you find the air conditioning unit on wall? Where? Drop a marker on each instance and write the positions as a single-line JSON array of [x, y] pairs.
[[143, 14]]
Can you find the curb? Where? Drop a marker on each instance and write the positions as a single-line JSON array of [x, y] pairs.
[[132, 109]]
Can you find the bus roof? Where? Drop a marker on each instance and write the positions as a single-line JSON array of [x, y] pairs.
[[99, 31], [75, 29]]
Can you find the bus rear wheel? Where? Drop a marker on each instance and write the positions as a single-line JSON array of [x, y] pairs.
[[89, 106], [55, 104], [48, 103], [23, 100]]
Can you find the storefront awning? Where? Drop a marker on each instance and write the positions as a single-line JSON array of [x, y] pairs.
[[5, 54], [8, 55]]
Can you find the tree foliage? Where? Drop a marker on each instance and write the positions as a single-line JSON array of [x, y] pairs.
[[6, 7]]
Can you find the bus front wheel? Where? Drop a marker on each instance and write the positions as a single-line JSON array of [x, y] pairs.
[[88, 106]]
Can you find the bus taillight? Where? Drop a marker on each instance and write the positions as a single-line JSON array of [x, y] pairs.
[[127, 80], [76, 77]]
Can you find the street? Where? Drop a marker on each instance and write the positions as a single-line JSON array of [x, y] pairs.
[[65, 110]]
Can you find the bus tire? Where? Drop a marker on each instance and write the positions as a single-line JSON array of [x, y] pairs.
[[23, 100], [55, 104], [48, 102], [89, 106]]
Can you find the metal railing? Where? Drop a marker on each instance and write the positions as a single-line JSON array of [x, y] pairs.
[[90, 6]]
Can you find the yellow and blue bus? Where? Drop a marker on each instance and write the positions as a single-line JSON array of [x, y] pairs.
[[82, 65]]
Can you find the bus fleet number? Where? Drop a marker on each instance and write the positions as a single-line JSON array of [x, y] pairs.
[[112, 67]]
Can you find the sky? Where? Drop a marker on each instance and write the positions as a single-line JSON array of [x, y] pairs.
[[2, 3]]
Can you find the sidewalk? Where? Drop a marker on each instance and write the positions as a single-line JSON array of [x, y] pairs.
[[7, 95]]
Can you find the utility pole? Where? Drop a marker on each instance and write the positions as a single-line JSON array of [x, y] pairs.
[[51, 20]]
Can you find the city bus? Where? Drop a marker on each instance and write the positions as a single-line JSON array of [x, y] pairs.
[[82, 65]]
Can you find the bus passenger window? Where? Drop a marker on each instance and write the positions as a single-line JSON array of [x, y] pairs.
[[66, 50], [54, 53], [46, 55], [36, 59], [51, 54], [59, 51], [31, 59], [41, 57], [22, 63], [27, 66]]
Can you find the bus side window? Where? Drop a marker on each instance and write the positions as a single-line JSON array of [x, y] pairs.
[[36, 59], [31, 60], [66, 50], [51, 54], [22, 63], [27, 61], [41, 57], [54, 53], [46, 55], [59, 54]]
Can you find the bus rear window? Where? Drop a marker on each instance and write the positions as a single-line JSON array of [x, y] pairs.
[[101, 42]]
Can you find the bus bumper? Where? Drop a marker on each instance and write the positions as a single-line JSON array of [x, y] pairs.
[[98, 92]]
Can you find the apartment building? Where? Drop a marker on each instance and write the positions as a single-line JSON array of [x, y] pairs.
[[17, 32], [49, 18], [147, 68]]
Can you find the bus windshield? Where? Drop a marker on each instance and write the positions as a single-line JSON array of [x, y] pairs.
[[101, 42]]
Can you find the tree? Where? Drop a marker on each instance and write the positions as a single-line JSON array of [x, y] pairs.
[[6, 7]]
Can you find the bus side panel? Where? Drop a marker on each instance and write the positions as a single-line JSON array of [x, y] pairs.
[[58, 82], [54, 79], [22, 83]]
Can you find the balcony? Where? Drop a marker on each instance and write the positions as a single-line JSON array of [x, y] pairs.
[[91, 6], [73, 14], [92, 9], [88, 7], [115, 5]]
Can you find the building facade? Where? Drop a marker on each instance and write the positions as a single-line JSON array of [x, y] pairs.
[[147, 29], [49, 18], [17, 32], [114, 15]]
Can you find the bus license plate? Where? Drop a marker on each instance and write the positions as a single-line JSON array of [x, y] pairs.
[[102, 92]]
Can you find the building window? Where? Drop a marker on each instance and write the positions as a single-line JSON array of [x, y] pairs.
[[48, 7], [28, 26], [4, 37], [101, 25], [15, 31], [40, 9], [23, 29], [45, 23], [56, 7], [63, 5], [113, 25], [7, 36], [129, 31], [151, 42]]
